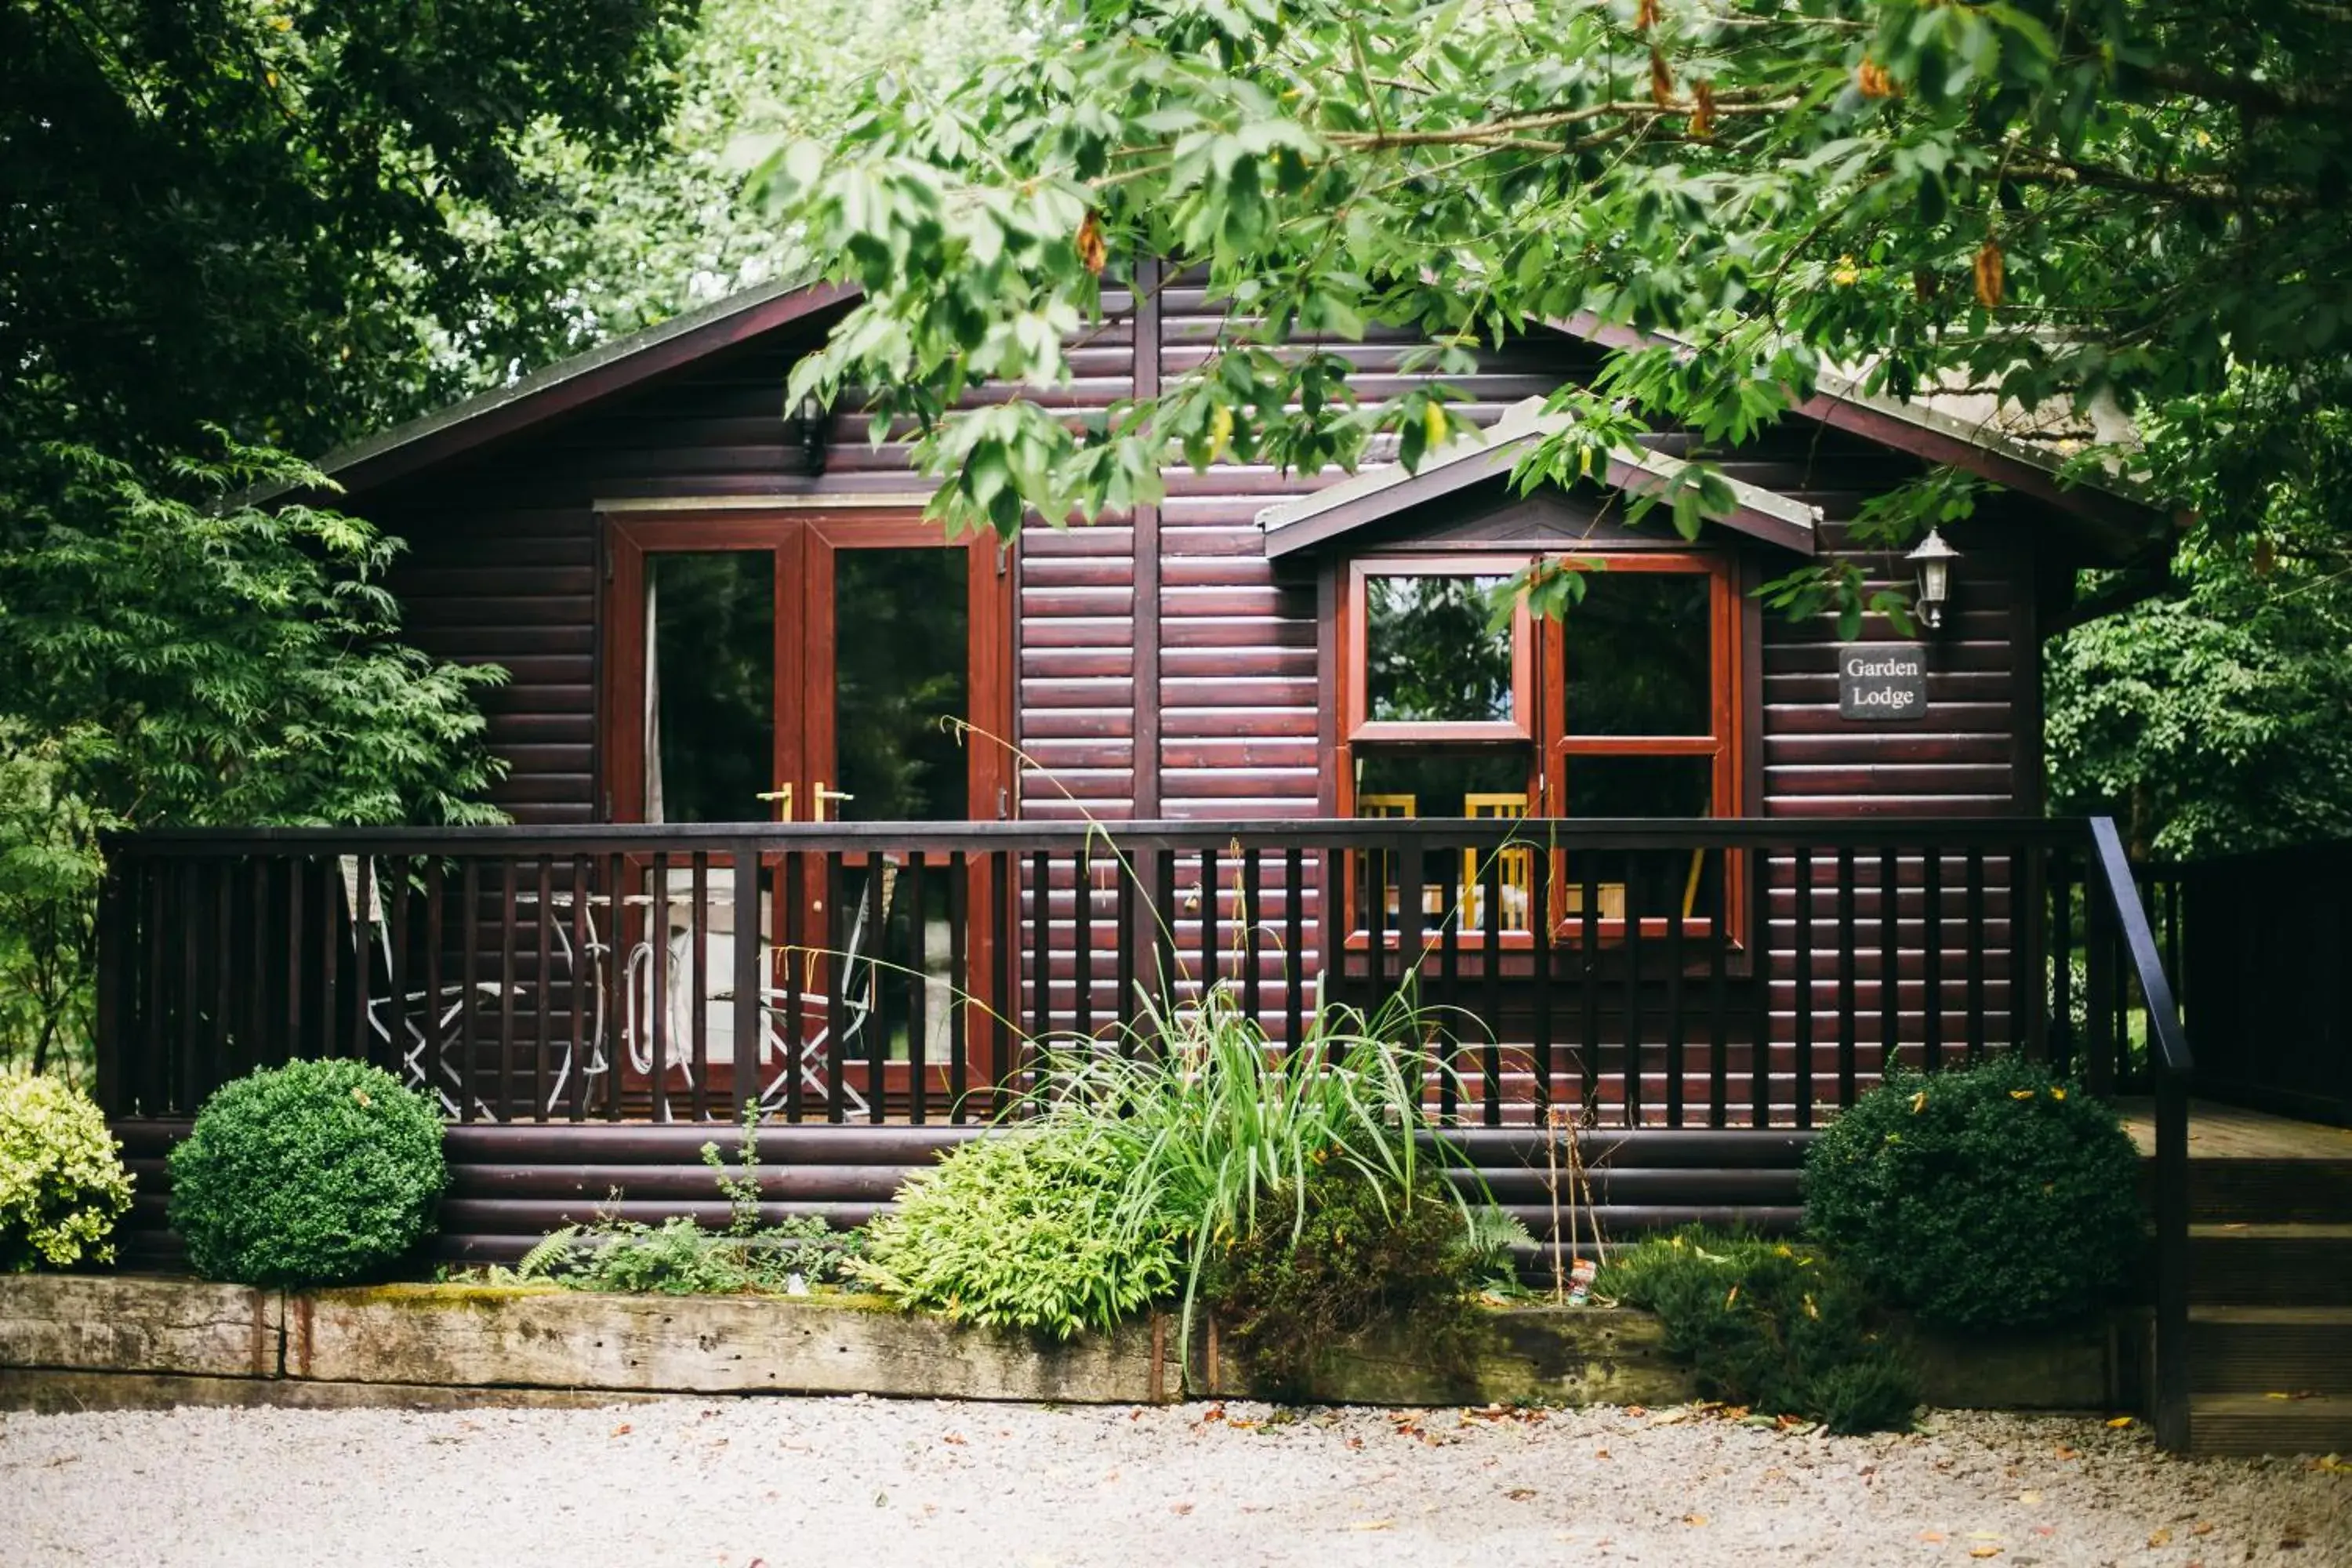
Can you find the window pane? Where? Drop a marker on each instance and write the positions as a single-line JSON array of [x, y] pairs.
[[1429, 654], [712, 687], [1484, 783], [1647, 882], [901, 657], [1641, 786], [1640, 656]]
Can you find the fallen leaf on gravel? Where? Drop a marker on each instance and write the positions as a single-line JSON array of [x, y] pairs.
[[1520, 1494], [881, 1500], [1984, 1551], [1179, 1508], [2046, 1530], [1694, 1518], [2159, 1537], [2029, 1496], [1599, 1453], [622, 1430], [1636, 1411], [2202, 1527], [1374, 1524], [1357, 1443], [1670, 1418], [1213, 1413], [1933, 1537], [2119, 1423], [2333, 1464], [954, 1438], [2066, 1453]]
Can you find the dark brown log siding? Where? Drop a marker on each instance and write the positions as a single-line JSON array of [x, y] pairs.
[[504, 568]]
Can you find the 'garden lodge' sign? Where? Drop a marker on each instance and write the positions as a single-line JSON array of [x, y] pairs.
[[1882, 681]]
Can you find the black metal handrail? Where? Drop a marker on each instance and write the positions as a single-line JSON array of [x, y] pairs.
[[2117, 912]]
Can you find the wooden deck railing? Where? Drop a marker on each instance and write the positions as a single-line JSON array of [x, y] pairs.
[[1674, 974]]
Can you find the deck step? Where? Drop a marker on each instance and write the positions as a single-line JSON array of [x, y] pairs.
[[2260, 1423], [2258, 1265], [2270, 1350], [2271, 1191]]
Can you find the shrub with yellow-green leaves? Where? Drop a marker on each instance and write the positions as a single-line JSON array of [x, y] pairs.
[[62, 1185]]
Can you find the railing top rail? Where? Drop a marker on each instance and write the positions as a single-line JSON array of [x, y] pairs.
[[2114, 871], [1907, 832]]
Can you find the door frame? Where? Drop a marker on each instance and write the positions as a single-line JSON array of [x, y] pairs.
[[803, 543]]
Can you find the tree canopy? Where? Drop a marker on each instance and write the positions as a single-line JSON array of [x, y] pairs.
[[2126, 199]]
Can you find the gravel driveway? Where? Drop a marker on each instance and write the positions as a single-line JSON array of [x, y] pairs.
[[782, 1483]]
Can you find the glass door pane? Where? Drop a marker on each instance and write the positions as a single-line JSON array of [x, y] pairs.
[[901, 684], [710, 685]]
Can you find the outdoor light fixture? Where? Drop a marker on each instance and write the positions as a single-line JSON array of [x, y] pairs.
[[1933, 558], [809, 425]]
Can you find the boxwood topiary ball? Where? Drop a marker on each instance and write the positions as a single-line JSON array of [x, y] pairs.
[[1989, 1196], [317, 1172]]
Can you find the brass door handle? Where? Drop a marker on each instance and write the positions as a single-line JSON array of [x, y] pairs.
[[819, 796], [781, 796]]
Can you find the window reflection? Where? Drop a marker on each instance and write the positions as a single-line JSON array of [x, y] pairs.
[[1430, 656]]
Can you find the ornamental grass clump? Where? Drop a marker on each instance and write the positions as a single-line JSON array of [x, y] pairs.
[[62, 1185], [1989, 1196], [318, 1173]]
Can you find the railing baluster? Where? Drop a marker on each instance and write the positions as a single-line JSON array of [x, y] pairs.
[[617, 986], [1492, 895], [1633, 952], [1041, 946], [1082, 944], [960, 989], [432, 1055], [697, 996], [836, 997], [1676, 1024], [1004, 869], [792, 873], [1122, 1003], [1543, 869], [1294, 946], [509, 868], [1211, 968], [1976, 918], [1804, 978], [336, 903], [225, 999], [1251, 916], [1588, 963], [471, 933], [395, 1002], [2100, 984], [1760, 1061], [1890, 963], [1932, 955], [876, 1028], [918, 980], [1412, 862], [2062, 959], [1165, 981], [749, 983], [544, 958], [1449, 986], [1845, 976], [583, 1038]]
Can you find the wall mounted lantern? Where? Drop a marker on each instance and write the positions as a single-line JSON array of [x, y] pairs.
[[809, 425], [1934, 559]]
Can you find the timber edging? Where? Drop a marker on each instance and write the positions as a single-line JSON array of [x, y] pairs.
[[100, 1341]]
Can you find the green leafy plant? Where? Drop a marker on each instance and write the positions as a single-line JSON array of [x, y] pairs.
[[1287, 1296], [1980, 1198], [62, 1185], [313, 1173], [1030, 1227], [1766, 1325], [678, 1258]]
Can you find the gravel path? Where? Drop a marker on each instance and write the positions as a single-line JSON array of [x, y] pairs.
[[781, 1483]]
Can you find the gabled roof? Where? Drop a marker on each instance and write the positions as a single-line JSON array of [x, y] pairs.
[[1478, 456], [1841, 403], [565, 385]]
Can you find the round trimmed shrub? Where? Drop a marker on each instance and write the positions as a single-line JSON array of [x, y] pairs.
[[317, 1172], [1989, 1196], [62, 1185]]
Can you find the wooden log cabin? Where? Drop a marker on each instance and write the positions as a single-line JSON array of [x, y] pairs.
[[818, 811]]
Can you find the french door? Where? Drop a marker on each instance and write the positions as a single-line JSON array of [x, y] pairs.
[[809, 668]]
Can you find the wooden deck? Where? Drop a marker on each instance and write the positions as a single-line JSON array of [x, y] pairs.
[[2231, 1133]]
